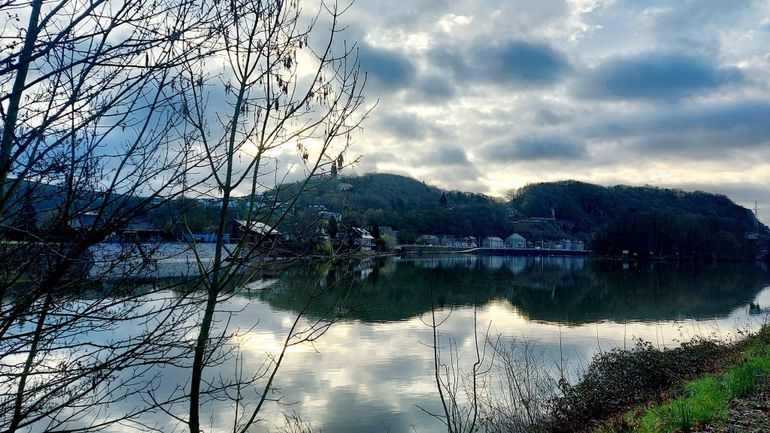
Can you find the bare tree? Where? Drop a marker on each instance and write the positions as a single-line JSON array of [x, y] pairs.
[[279, 93], [459, 390], [88, 142], [106, 117]]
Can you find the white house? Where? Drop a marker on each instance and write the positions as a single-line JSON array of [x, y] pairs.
[[493, 242], [516, 241], [361, 238], [428, 240]]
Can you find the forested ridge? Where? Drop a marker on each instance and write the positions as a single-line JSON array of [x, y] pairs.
[[640, 219]]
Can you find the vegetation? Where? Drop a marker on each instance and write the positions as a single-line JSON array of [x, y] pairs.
[[642, 389], [706, 399], [620, 379], [117, 116], [645, 221], [408, 205]]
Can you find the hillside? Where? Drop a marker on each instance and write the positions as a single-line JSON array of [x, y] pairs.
[[645, 220], [407, 205], [611, 219], [591, 206]]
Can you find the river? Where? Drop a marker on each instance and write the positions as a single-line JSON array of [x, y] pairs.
[[372, 370]]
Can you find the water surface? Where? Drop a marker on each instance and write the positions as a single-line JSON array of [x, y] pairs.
[[373, 370]]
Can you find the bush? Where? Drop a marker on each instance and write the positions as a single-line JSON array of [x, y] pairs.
[[619, 379]]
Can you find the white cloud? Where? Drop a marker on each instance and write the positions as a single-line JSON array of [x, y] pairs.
[[478, 72]]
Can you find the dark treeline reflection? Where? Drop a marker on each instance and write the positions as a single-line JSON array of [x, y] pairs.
[[567, 290]]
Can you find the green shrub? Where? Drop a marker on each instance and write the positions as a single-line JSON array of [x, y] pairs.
[[619, 379], [706, 399]]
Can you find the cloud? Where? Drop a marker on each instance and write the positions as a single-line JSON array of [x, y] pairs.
[[548, 117], [407, 126], [517, 62], [637, 92], [386, 69], [445, 156], [705, 130], [533, 148], [655, 76], [433, 89]]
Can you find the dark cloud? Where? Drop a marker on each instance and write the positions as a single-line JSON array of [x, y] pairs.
[[518, 63], [521, 62], [704, 129], [652, 76], [549, 118], [534, 148], [445, 156], [386, 69], [407, 126], [433, 89]]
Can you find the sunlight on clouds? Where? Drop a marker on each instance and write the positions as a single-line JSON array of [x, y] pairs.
[[399, 39], [450, 21]]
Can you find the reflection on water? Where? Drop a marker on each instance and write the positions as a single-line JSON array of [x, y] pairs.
[[563, 290], [372, 370]]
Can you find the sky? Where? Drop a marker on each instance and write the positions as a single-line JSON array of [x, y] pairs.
[[489, 95]]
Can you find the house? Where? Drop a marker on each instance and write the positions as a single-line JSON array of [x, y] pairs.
[[470, 242], [428, 240], [252, 232], [493, 242], [204, 237], [446, 240], [327, 215], [139, 230], [360, 238], [555, 245], [342, 187], [516, 241], [321, 235], [578, 246]]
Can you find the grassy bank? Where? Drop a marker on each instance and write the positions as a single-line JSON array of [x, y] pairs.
[[707, 399], [621, 379], [642, 389]]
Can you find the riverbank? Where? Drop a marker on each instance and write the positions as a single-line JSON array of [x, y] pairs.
[[733, 399], [701, 386], [424, 250]]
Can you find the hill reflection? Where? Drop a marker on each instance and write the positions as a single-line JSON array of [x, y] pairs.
[[566, 290]]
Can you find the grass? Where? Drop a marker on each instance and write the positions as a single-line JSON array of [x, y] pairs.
[[703, 400], [622, 379]]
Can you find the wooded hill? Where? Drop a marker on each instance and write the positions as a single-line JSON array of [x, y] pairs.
[[407, 205], [642, 220]]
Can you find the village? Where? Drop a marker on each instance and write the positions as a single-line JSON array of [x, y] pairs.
[[328, 233]]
